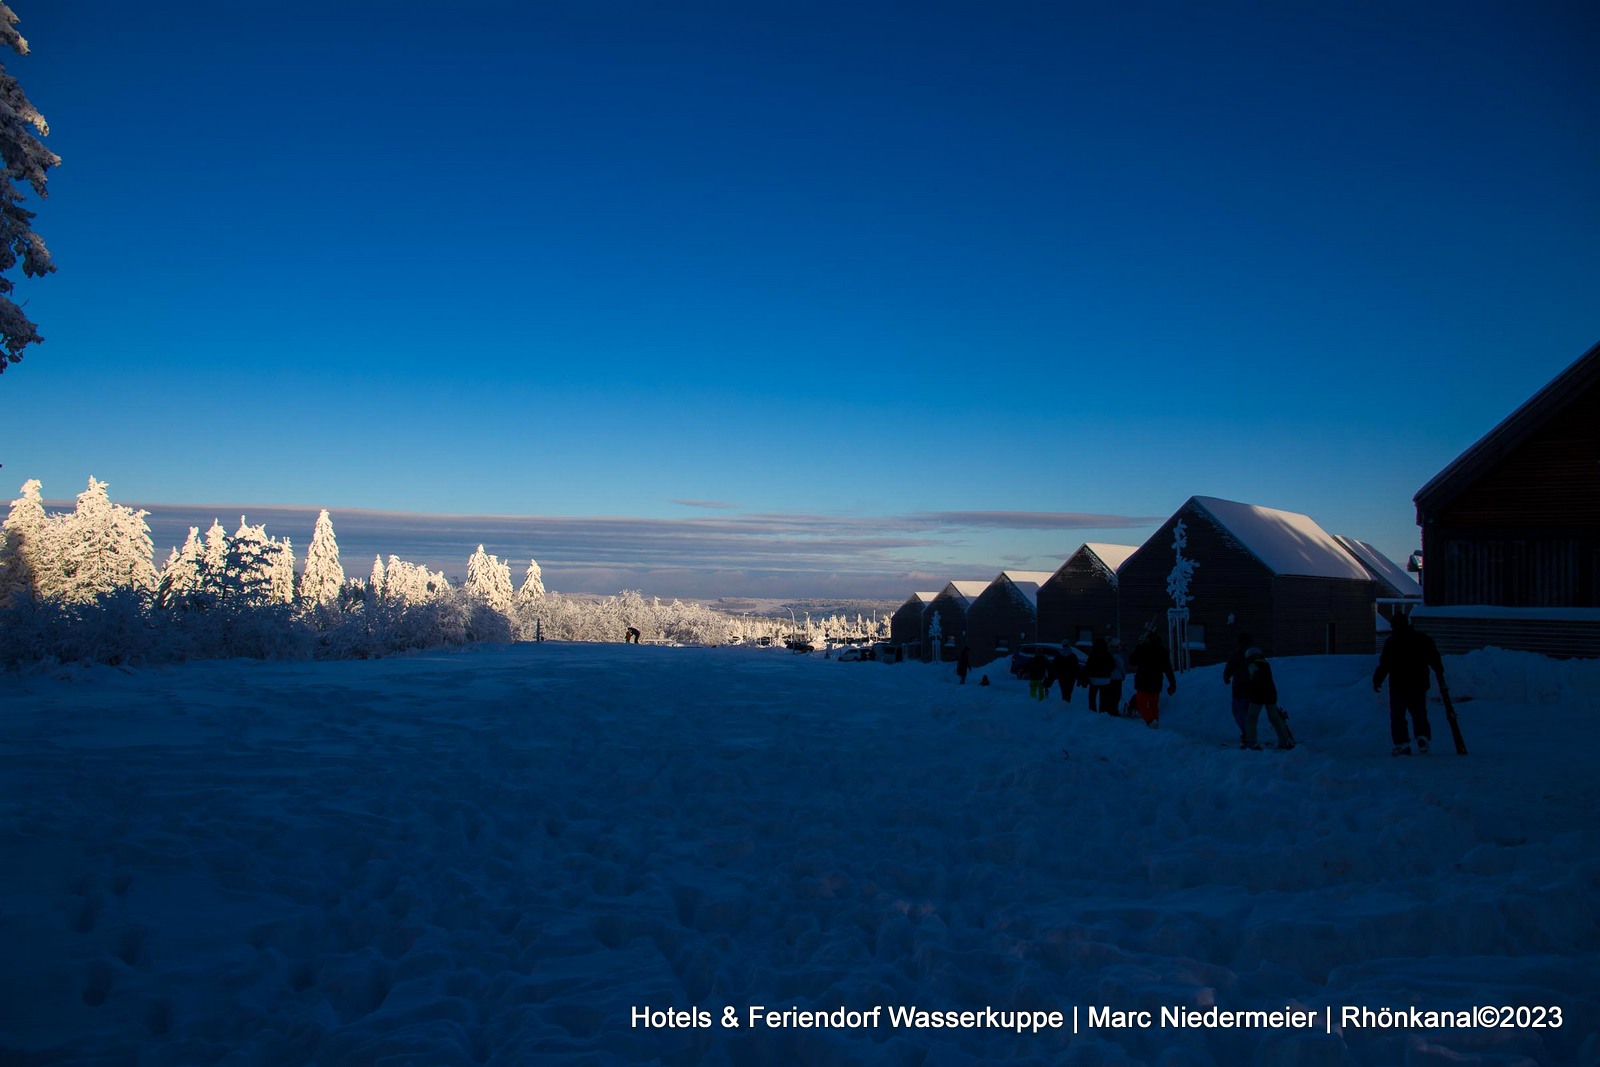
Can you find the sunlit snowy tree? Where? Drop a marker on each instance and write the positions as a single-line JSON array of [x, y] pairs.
[[323, 576], [280, 567], [99, 548], [21, 540], [489, 580], [247, 570], [532, 589], [375, 581], [26, 160], [183, 574]]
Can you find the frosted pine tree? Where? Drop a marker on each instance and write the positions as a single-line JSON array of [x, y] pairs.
[[247, 569], [1178, 580], [489, 580], [214, 560], [532, 590], [26, 160], [280, 566], [182, 576], [99, 548], [375, 583], [323, 576], [22, 538]]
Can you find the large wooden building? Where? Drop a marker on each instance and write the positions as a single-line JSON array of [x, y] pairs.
[[1511, 528], [1079, 602], [905, 625], [944, 624], [1005, 615], [1273, 574]]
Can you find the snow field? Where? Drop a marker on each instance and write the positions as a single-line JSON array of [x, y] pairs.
[[494, 856]]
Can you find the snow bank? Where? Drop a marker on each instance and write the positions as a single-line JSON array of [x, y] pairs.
[[497, 855]]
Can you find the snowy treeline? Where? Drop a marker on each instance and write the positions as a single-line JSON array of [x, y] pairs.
[[82, 586]]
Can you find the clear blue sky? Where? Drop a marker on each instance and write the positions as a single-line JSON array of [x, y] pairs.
[[844, 263]]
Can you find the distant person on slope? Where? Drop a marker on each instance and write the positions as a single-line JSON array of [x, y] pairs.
[[1064, 672], [1150, 664], [1098, 670], [1408, 654], [1236, 675], [1038, 675], [964, 665], [1263, 696]]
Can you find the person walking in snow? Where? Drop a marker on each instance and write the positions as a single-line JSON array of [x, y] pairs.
[[1038, 675], [1111, 698], [1408, 654], [1097, 670], [1150, 664], [1238, 677], [1262, 694], [964, 665], [1064, 673]]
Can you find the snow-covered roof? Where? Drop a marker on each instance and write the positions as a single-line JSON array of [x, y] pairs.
[[922, 598], [1026, 582], [1382, 567], [966, 591], [1113, 556], [1286, 542]]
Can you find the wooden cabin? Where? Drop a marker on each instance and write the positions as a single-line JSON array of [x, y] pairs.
[[950, 609], [1079, 602], [1005, 615], [905, 625], [1511, 528], [1275, 575]]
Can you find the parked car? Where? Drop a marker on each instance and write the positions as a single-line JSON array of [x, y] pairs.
[[853, 653], [1020, 658]]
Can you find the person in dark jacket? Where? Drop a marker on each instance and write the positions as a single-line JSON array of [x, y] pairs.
[[1097, 671], [1150, 664], [1262, 693], [1038, 674], [1408, 654], [1235, 674], [964, 665], [1064, 673]]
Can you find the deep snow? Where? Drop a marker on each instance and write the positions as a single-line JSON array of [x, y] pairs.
[[493, 856]]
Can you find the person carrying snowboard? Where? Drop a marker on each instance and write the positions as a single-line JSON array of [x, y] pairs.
[[1150, 664], [1408, 654], [1263, 696]]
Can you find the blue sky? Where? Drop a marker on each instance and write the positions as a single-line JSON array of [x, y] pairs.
[[851, 266]]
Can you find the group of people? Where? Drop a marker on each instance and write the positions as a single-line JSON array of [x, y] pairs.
[[1407, 658]]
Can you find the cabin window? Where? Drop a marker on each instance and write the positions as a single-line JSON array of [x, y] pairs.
[[1085, 637], [1197, 638]]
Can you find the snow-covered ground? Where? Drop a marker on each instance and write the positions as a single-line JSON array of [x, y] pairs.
[[497, 855]]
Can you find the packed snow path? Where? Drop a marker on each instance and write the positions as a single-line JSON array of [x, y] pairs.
[[494, 856]]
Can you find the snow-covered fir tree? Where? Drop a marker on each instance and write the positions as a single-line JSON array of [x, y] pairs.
[[532, 590], [247, 569], [182, 576], [214, 560], [323, 576], [489, 580], [280, 559], [375, 581], [99, 548], [26, 160], [22, 538]]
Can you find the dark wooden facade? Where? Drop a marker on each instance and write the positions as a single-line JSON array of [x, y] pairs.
[[950, 608], [1514, 521], [905, 625], [1081, 596], [1235, 592], [1004, 615]]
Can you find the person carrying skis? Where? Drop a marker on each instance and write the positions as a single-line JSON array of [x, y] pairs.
[[1098, 670], [964, 664], [1408, 654], [1262, 693], [1150, 664], [1236, 675], [1064, 673]]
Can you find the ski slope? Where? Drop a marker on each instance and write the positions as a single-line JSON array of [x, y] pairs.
[[501, 855]]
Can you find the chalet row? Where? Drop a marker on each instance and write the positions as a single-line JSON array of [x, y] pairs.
[[1511, 558], [1275, 575]]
